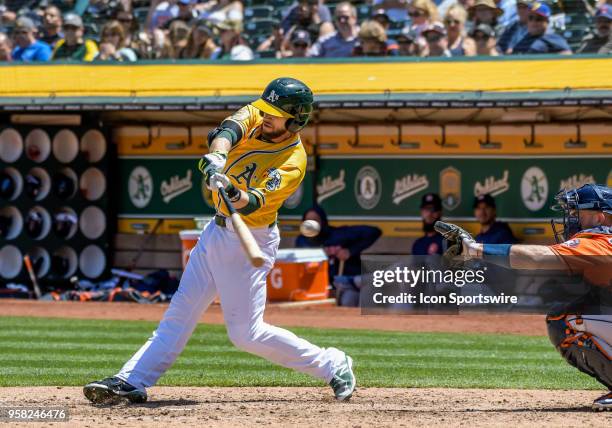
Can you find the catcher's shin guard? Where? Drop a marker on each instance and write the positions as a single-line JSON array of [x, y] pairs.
[[588, 353]]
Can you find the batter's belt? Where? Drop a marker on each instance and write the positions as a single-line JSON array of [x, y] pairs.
[[222, 222]]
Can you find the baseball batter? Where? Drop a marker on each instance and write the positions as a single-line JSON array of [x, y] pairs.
[[256, 155], [584, 247]]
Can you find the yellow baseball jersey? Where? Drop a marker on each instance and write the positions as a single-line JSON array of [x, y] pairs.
[[270, 171]]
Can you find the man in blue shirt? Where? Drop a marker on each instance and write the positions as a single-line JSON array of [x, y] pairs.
[[28, 48], [515, 32], [431, 211], [538, 40], [341, 42], [491, 230]]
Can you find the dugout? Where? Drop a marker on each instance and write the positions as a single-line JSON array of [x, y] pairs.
[[384, 133]]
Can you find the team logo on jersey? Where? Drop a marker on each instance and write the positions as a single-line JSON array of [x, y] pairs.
[[274, 180], [571, 243], [295, 199], [450, 188], [140, 187], [272, 97], [534, 188], [176, 186], [368, 187], [408, 186], [493, 186], [576, 181], [247, 174]]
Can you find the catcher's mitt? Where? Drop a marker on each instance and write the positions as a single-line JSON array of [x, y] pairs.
[[455, 237]]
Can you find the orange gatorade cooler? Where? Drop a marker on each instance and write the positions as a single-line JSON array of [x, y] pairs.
[[189, 239], [298, 274]]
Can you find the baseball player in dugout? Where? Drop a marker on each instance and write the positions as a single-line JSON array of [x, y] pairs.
[[582, 330], [257, 159]]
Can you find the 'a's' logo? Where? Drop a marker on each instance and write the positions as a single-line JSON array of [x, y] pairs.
[[272, 97], [247, 174]]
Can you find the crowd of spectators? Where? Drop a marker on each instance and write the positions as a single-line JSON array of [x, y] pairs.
[[130, 30]]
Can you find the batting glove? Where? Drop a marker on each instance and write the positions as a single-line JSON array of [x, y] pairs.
[[212, 163], [221, 181]]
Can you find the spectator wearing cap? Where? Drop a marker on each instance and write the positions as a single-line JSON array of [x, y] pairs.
[[233, 46], [5, 48], [310, 15], [407, 43], [299, 45], [176, 40], [186, 13], [112, 44], [380, 16], [341, 42], [516, 30], [372, 40], [51, 26], [459, 44], [27, 48], [437, 41], [200, 42], [431, 242], [538, 40], [491, 230], [484, 37], [484, 12], [595, 41], [422, 14], [74, 47]]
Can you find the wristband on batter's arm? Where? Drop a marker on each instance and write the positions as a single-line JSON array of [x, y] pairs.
[[498, 254]]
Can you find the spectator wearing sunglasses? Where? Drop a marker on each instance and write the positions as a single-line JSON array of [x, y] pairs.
[[484, 38], [458, 42], [538, 40], [516, 30], [594, 42], [407, 43], [28, 48], [341, 42], [422, 14], [299, 45], [437, 41]]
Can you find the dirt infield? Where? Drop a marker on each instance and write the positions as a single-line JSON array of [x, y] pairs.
[[314, 407], [309, 316]]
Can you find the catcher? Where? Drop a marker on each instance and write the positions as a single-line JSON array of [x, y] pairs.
[[584, 244]]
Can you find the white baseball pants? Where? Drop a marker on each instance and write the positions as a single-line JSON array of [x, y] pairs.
[[218, 264]]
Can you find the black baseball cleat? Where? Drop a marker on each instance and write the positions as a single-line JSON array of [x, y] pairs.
[[112, 388], [603, 403]]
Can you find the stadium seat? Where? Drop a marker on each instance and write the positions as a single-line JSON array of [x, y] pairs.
[[261, 26], [251, 3], [364, 12], [270, 53], [258, 12]]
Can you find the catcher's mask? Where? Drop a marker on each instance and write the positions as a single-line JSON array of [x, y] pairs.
[[570, 202]]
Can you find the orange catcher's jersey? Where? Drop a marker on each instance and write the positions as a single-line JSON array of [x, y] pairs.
[[270, 171], [589, 252]]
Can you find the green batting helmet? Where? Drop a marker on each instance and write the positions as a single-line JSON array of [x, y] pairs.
[[287, 97]]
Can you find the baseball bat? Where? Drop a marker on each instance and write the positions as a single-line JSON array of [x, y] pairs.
[[244, 234], [30, 269]]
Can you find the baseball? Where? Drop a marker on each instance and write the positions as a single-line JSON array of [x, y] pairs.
[[310, 228]]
